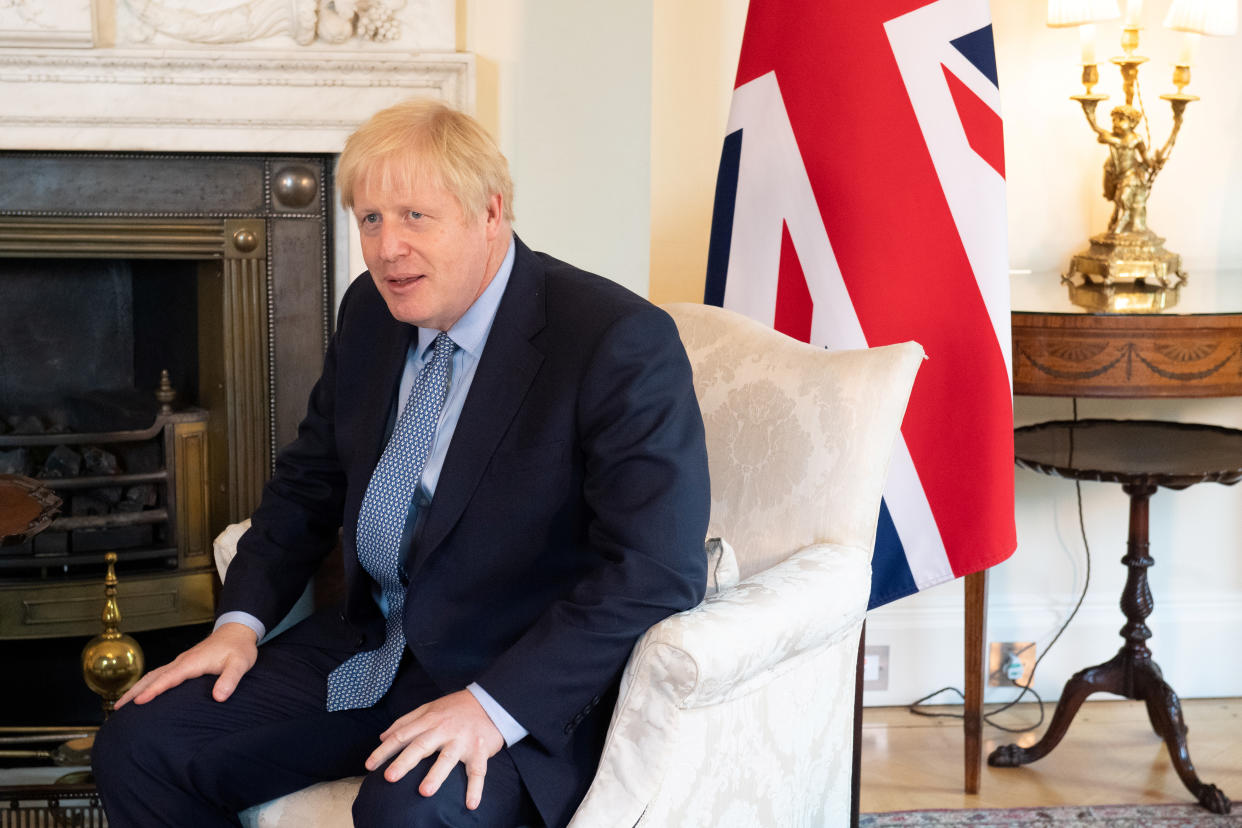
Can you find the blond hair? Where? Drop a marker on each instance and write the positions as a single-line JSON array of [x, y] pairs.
[[421, 136]]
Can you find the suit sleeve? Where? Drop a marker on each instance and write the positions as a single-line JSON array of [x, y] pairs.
[[646, 491], [299, 516]]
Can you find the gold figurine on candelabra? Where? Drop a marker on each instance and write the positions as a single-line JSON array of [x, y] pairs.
[[1127, 268]]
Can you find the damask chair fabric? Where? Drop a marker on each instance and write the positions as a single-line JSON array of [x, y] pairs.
[[739, 712]]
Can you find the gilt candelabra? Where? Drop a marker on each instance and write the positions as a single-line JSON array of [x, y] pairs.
[[1127, 269]]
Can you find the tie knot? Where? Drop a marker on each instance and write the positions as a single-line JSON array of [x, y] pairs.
[[442, 346]]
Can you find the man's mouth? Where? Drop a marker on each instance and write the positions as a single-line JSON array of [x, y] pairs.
[[400, 282]]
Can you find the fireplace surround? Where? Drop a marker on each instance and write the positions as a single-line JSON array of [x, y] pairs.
[[251, 234]]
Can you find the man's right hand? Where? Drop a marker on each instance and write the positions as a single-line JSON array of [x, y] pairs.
[[228, 653]]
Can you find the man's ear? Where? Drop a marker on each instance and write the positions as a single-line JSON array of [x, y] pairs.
[[495, 216]]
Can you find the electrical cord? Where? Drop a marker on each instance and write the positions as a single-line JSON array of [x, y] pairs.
[[913, 707]]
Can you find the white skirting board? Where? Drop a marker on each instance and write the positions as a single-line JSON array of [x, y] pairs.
[[1193, 641]]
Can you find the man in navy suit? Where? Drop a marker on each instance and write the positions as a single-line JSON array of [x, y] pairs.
[[559, 513]]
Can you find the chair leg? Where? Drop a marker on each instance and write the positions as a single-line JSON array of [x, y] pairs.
[[975, 642], [856, 771]]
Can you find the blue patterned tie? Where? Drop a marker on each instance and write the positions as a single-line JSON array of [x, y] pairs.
[[365, 677]]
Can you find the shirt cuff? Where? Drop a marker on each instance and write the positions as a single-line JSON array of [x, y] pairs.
[[243, 618], [506, 724]]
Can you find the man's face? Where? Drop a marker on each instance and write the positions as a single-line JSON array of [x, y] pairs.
[[429, 258]]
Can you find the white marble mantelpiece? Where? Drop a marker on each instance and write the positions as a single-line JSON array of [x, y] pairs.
[[217, 75], [201, 100]]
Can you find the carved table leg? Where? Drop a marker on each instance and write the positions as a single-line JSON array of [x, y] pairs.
[[1165, 711], [1130, 673], [1103, 678]]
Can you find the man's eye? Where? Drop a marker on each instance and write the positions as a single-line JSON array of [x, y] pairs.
[[370, 218], [414, 214]]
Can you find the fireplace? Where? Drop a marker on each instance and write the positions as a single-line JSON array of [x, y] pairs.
[[119, 273], [179, 154]]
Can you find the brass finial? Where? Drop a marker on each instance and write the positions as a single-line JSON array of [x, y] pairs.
[[111, 661], [165, 393]]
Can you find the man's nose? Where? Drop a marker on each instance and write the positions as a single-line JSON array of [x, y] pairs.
[[392, 246]]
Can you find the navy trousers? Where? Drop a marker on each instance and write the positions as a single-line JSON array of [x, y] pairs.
[[184, 759]]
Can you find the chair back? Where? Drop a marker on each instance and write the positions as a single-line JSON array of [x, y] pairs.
[[798, 437]]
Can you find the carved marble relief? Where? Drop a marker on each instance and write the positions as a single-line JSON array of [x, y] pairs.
[[415, 24], [57, 23], [219, 75]]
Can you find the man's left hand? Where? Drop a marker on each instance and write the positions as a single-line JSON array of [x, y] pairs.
[[454, 725]]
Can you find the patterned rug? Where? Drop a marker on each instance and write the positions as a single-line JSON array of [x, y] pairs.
[[1095, 816]]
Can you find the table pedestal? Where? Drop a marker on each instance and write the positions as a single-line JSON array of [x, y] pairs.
[[1131, 673]]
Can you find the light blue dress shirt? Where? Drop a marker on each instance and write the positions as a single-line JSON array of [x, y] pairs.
[[470, 333]]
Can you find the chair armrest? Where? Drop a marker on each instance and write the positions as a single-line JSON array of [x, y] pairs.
[[224, 546], [729, 646], [714, 652]]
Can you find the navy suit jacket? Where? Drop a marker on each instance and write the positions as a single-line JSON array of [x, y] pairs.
[[568, 518]]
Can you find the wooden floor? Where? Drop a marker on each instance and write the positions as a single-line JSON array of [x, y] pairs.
[[1109, 756]]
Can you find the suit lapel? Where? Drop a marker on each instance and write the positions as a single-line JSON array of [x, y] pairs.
[[383, 377], [376, 381], [504, 374]]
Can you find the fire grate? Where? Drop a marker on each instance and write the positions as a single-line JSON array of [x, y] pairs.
[[51, 806]]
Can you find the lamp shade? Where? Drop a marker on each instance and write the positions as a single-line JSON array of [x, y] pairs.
[[1209, 17], [1077, 12]]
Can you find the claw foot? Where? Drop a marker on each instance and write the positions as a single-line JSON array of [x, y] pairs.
[[1213, 798], [1007, 756]]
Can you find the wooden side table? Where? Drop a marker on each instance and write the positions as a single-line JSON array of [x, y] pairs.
[[1060, 351], [1141, 455]]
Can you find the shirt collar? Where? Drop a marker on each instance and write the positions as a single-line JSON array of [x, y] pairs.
[[470, 332]]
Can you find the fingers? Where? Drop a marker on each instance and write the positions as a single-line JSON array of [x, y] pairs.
[[138, 687], [440, 770], [154, 683], [392, 741], [457, 728], [226, 653], [229, 677], [408, 754], [474, 783]]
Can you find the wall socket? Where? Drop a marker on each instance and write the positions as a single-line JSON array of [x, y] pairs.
[[875, 667], [1002, 670]]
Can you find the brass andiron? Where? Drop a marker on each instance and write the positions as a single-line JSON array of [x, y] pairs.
[[111, 661], [111, 664], [1127, 269]]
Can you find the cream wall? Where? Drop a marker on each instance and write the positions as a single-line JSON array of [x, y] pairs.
[[1053, 171], [566, 87], [695, 45]]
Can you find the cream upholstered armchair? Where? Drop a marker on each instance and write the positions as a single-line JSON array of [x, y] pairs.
[[739, 712]]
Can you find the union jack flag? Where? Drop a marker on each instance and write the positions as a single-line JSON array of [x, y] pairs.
[[861, 202]]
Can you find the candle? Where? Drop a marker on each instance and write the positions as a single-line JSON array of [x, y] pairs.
[[1190, 40], [1086, 34], [1134, 13]]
